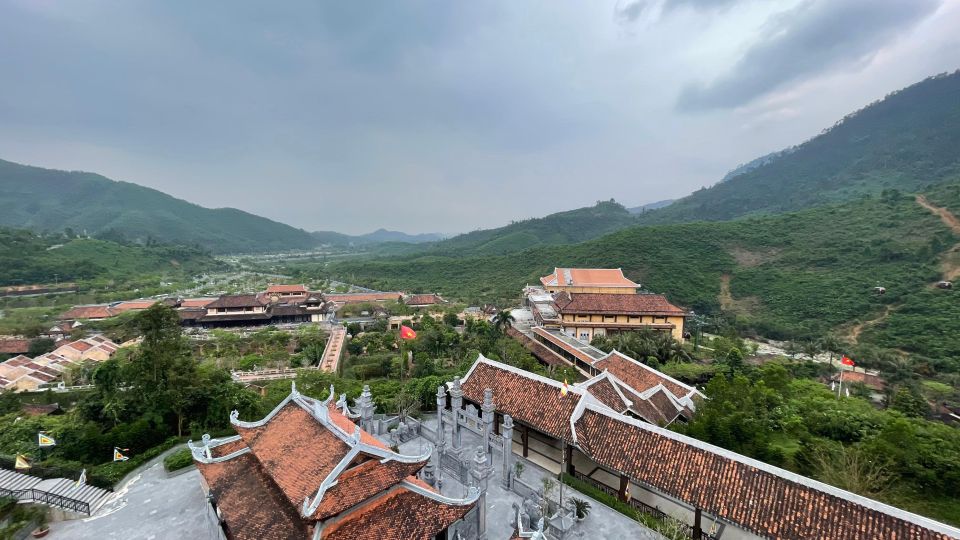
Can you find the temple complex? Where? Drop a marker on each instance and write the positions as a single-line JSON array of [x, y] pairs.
[[588, 432], [595, 302], [307, 471]]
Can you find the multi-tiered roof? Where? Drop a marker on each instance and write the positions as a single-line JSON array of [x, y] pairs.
[[307, 471]]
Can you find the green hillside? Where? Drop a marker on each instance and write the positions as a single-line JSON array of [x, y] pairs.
[[907, 141], [27, 258], [798, 275], [567, 227], [51, 200]]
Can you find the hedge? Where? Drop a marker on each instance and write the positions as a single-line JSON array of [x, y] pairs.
[[178, 460], [109, 474]]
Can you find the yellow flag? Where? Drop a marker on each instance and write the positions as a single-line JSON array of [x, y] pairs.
[[564, 389], [22, 462], [117, 456], [45, 440]]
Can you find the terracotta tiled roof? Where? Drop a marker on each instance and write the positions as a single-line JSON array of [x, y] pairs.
[[872, 381], [14, 346], [195, 302], [250, 503], [306, 450], [533, 400], [362, 482], [616, 304], [423, 300], [19, 360], [133, 305], [401, 514], [302, 289], [354, 298], [296, 451], [236, 301], [603, 389], [641, 377], [102, 311], [80, 345], [228, 448], [41, 375], [760, 498], [587, 277]]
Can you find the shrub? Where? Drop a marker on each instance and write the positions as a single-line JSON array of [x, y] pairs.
[[178, 460]]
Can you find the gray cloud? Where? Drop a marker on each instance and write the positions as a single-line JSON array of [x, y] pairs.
[[629, 11], [816, 37], [358, 115]]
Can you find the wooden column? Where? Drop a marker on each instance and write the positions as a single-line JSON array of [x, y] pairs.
[[697, 528], [568, 457], [525, 435], [624, 481]]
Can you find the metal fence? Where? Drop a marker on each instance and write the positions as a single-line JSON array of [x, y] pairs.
[[50, 499]]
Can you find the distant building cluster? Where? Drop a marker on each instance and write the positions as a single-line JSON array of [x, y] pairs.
[[24, 374]]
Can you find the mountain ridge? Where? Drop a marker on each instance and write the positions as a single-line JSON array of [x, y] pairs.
[[905, 141]]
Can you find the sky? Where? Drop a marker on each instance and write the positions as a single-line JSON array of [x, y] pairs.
[[440, 116]]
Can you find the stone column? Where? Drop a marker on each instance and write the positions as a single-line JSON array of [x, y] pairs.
[[489, 413], [507, 480], [480, 474], [366, 410], [441, 441], [456, 402]]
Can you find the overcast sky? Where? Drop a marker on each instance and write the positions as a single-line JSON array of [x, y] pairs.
[[443, 116]]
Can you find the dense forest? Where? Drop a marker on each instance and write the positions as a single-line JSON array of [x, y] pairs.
[[792, 276], [28, 258]]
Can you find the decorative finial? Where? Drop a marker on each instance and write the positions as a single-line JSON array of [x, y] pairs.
[[356, 434], [234, 415], [293, 388]]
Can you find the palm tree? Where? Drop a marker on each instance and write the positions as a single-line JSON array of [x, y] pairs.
[[503, 321]]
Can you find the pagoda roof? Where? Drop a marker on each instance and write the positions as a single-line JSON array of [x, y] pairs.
[[315, 464]]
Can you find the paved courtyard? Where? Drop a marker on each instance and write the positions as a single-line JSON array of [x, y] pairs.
[[602, 523], [149, 506]]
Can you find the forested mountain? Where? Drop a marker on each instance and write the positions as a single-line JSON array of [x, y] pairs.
[[567, 227], [51, 200], [376, 237], [27, 258], [906, 141], [650, 206], [796, 275]]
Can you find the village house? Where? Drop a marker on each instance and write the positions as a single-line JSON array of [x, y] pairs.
[[718, 493], [588, 280], [23, 374], [14, 345], [306, 471]]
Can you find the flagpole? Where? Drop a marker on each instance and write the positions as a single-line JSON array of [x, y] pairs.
[[840, 386]]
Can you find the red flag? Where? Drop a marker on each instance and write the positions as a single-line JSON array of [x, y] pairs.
[[407, 333], [846, 361]]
